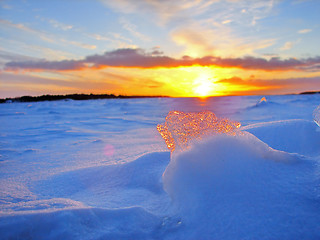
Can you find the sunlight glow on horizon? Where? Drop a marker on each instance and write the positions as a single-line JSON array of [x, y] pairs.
[[204, 85], [197, 81], [190, 81]]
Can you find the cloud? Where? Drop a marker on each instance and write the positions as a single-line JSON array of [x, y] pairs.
[[131, 58], [7, 23], [133, 30], [78, 44], [15, 57], [269, 86], [164, 11], [227, 21], [115, 40], [43, 65], [46, 36], [196, 40], [205, 20], [60, 25], [32, 84], [303, 31], [252, 82], [286, 46], [201, 39], [167, 11], [23, 79], [139, 58]]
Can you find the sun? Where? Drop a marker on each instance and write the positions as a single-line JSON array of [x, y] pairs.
[[203, 85], [192, 81], [203, 89]]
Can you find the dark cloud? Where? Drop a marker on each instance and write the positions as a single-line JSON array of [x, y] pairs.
[[274, 64], [139, 58], [157, 52], [45, 65], [9, 56], [130, 58]]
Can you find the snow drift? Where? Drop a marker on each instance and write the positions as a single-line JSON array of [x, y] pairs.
[[237, 187], [99, 170]]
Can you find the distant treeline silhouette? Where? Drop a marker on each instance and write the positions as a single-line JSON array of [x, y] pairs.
[[311, 92], [49, 97]]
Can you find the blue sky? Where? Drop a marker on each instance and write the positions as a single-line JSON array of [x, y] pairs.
[[53, 31]]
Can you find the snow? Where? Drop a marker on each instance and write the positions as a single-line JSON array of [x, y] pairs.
[[316, 115], [237, 187], [98, 169]]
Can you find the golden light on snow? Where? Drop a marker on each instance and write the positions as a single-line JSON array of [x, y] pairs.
[[180, 127]]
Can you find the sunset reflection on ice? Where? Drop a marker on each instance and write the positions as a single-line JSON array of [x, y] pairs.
[[180, 127]]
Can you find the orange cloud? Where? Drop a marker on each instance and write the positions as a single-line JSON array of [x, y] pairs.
[[256, 86]]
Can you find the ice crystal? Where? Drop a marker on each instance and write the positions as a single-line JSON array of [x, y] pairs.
[[181, 127], [316, 115], [263, 99]]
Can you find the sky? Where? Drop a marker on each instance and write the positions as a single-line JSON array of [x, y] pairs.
[[178, 48]]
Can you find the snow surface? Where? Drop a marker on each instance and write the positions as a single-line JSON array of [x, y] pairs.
[[98, 169]]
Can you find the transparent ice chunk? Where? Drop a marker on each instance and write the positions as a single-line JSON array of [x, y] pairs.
[[263, 99], [316, 115], [181, 127]]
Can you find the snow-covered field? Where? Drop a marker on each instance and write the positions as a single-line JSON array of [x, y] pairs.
[[98, 169]]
